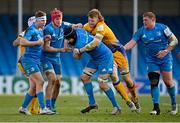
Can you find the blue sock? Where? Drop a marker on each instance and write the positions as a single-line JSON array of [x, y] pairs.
[[27, 100], [53, 101], [89, 90], [40, 97], [172, 94], [155, 94], [48, 103], [111, 97]]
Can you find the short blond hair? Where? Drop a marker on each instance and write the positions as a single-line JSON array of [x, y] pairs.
[[149, 15], [95, 12]]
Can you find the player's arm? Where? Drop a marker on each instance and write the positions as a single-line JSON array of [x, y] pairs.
[[66, 46], [78, 25], [26, 43], [90, 46], [172, 43], [132, 43], [76, 54], [17, 41], [48, 47]]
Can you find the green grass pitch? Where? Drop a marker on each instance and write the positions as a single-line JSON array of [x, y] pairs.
[[69, 110]]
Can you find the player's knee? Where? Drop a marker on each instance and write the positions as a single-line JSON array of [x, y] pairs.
[[154, 78], [59, 77], [102, 83], [114, 78], [57, 84], [85, 78]]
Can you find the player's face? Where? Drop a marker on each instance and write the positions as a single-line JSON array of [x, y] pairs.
[[148, 22], [41, 23], [58, 21], [70, 41], [93, 21]]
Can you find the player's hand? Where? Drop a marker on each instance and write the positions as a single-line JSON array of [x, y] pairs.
[[78, 25], [124, 48], [68, 49], [47, 38], [16, 42], [76, 51], [162, 53], [62, 50], [40, 42]]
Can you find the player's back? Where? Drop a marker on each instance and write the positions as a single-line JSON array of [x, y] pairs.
[[33, 34], [100, 52]]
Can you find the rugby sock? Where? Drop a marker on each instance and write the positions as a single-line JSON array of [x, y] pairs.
[[53, 101], [121, 90], [48, 103], [89, 90], [155, 94], [111, 97], [172, 94], [40, 97], [33, 103], [27, 100]]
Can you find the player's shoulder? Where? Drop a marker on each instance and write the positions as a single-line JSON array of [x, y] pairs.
[[30, 29], [101, 26], [161, 25], [86, 26], [48, 26]]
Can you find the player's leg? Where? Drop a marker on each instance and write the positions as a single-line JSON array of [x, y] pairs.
[[102, 79], [168, 80], [122, 63], [154, 75], [48, 69], [34, 100], [57, 85], [51, 76], [105, 69], [86, 79], [119, 85], [28, 97], [38, 79]]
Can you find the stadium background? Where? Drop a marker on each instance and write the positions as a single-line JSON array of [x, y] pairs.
[[118, 15]]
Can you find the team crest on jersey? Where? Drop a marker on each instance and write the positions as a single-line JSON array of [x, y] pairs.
[[100, 28]]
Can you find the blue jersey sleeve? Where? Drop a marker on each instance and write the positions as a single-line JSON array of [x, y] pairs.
[[28, 34], [137, 35], [166, 30], [67, 24]]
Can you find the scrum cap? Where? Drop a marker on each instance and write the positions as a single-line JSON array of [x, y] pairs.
[[55, 13]]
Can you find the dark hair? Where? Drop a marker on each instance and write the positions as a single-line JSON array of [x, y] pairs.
[[40, 14], [70, 33]]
